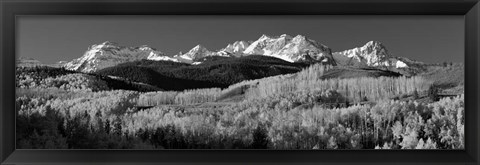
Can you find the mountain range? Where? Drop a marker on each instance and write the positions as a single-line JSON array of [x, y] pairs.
[[297, 49]]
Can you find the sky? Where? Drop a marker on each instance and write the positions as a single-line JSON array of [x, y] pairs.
[[49, 39]]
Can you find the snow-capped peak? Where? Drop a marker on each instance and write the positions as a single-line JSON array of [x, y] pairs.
[[146, 48], [267, 45], [197, 52], [239, 44], [106, 44], [109, 43], [198, 48], [236, 49], [375, 47], [264, 37], [285, 35], [373, 53], [373, 44], [298, 48], [299, 38], [109, 54]]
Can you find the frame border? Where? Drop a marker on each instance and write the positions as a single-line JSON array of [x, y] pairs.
[[11, 8]]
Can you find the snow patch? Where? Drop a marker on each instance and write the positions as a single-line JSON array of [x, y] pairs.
[[400, 64]]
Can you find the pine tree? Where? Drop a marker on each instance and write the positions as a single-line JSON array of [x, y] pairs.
[[433, 93], [260, 138], [107, 126]]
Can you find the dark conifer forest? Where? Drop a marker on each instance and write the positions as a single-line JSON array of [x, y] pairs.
[[214, 72]]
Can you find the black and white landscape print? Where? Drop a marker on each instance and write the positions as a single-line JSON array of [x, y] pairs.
[[276, 90]]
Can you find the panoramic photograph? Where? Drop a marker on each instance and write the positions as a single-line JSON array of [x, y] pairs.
[[240, 82]]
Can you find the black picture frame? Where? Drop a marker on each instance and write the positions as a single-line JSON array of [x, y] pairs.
[[11, 8]]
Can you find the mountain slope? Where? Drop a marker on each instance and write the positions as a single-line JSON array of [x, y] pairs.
[[445, 76], [221, 72]]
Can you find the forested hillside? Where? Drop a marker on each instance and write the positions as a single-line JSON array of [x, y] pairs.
[[320, 107], [445, 75], [218, 72], [60, 78]]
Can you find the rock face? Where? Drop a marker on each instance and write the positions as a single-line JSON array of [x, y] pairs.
[[109, 54], [373, 53], [236, 49]]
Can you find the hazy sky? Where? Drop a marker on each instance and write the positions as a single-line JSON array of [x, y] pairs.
[[55, 38]]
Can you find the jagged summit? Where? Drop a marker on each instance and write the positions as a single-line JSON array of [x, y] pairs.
[[374, 43], [300, 37], [265, 36], [373, 53], [236, 49], [105, 44], [292, 49], [199, 48], [146, 48], [109, 43], [196, 52]]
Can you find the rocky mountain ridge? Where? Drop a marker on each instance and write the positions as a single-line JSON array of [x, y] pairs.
[[292, 49]]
